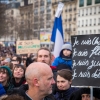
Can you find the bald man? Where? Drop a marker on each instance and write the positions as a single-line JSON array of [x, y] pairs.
[[39, 77]]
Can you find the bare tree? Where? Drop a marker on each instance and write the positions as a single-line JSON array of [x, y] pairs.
[[3, 26]]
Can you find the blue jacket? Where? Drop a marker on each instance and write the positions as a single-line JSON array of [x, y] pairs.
[[60, 60], [2, 90]]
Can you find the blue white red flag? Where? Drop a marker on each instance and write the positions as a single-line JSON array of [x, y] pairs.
[[57, 32]]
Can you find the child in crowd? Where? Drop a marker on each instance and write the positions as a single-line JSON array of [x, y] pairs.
[[65, 56]]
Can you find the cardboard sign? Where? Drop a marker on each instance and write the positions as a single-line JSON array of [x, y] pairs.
[[28, 46], [86, 60]]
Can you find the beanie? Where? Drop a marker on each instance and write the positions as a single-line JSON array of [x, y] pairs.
[[67, 46], [8, 70], [96, 92]]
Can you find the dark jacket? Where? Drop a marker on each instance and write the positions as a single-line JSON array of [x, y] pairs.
[[22, 81], [64, 94], [22, 92]]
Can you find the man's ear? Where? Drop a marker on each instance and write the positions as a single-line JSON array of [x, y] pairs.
[[35, 81]]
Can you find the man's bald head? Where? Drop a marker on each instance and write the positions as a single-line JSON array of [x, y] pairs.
[[36, 70]]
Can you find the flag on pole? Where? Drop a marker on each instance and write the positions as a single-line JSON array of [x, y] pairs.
[[57, 32]]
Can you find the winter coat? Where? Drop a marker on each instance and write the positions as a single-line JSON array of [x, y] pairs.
[[64, 94], [22, 81], [59, 60], [2, 90]]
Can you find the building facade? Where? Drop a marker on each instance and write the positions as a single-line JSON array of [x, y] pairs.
[[26, 24], [42, 19], [12, 22], [88, 17]]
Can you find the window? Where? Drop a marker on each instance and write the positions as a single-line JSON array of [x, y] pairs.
[[94, 31], [48, 2], [78, 32], [97, 1], [73, 29], [86, 31], [41, 25], [48, 25], [86, 11], [48, 17], [86, 22], [79, 12], [95, 21], [90, 11], [35, 11], [83, 12], [99, 21], [35, 26], [82, 32], [89, 2], [42, 10], [78, 23], [99, 10], [36, 19], [94, 10], [90, 22], [41, 3], [36, 4], [81, 3], [99, 31], [90, 32], [48, 9], [12, 12], [82, 23]]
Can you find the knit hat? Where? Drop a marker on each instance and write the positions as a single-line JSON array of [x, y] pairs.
[[8, 70], [67, 46], [85, 91]]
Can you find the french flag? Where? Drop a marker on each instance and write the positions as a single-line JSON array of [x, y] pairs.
[[57, 32]]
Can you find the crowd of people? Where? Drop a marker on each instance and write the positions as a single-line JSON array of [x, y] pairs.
[[39, 76]]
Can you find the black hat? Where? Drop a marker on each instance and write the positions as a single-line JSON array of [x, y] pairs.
[[96, 92]]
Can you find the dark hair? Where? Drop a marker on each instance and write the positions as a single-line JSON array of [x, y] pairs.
[[65, 73], [19, 59], [13, 97], [44, 48], [4, 71], [20, 66]]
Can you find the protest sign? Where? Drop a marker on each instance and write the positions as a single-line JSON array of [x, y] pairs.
[[27, 46], [86, 60]]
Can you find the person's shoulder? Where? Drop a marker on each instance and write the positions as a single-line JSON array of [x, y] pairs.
[[49, 97], [76, 95]]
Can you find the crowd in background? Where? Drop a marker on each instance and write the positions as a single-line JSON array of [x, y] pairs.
[[16, 72]]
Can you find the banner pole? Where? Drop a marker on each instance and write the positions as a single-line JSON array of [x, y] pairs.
[[91, 92]]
